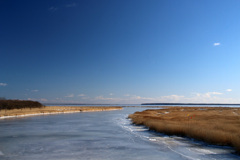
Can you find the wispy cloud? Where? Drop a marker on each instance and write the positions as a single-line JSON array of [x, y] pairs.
[[216, 93], [56, 8], [84, 98], [210, 97], [53, 9], [111, 94], [134, 99], [70, 96], [35, 90], [103, 98], [207, 95], [229, 90], [216, 44], [43, 100], [71, 5], [3, 84], [172, 98], [141, 98]]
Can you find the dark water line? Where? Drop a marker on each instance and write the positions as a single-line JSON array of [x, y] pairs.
[[192, 104]]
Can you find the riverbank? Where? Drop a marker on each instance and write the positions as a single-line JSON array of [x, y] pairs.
[[215, 125], [51, 110]]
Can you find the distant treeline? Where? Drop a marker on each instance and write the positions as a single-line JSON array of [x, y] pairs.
[[19, 104]]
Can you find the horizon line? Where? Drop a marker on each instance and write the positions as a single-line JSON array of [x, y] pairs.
[[190, 104]]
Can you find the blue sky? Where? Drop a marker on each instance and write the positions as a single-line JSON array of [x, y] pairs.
[[121, 51]]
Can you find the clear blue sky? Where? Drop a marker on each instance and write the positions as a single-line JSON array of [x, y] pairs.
[[120, 51]]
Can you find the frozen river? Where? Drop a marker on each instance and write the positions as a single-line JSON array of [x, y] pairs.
[[105, 135]]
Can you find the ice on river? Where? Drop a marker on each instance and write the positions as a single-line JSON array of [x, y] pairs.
[[97, 136]]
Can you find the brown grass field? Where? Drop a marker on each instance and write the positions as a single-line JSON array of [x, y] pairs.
[[215, 125], [52, 110]]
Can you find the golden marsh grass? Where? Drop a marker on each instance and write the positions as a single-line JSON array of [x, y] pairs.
[[215, 125], [52, 110]]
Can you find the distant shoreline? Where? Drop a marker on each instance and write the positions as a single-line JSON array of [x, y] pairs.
[[15, 113], [194, 104]]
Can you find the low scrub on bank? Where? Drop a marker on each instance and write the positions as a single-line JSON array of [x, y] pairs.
[[18, 104], [215, 125]]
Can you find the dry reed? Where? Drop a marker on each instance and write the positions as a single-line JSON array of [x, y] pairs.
[[53, 110], [215, 125]]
